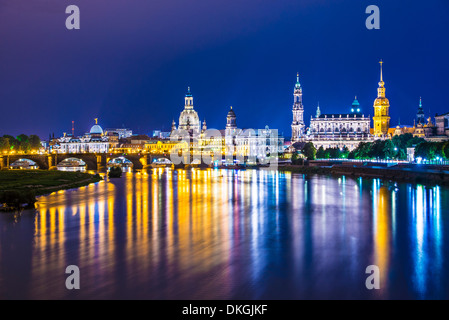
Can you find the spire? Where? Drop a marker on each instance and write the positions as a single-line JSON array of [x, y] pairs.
[[318, 111], [381, 89], [188, 94], [96, 120], [381, 62], [420, 114], [297, 85], [381, 83]]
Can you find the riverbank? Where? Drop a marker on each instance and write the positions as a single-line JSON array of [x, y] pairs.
[[400, 173], [20, 187]]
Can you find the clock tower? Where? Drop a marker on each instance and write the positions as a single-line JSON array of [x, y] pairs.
[[381, 119]]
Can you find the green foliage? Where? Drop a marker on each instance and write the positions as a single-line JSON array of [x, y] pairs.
[[396, 148], [4, 144], [388, 150], [333, 153], [35, 142], [446, 150], [431, 150], [22, 143], [295, 157], [320, 154], [309, 151], [43, 181]]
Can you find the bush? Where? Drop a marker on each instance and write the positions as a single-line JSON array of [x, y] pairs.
[[115, 172], [14, 199]]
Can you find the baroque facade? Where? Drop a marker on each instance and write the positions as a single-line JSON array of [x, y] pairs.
[[230, 141], [95, 141], [340, 130]]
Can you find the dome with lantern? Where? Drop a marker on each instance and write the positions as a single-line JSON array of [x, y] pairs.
[[96, 129]]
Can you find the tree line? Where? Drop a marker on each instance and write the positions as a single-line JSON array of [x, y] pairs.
[[396, 148], [21, 143]]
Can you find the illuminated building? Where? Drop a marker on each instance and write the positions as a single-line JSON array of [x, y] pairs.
[[233, 140], [121, 132], [189, 120], [340, 130], [442, 124], [161, 134], [93, 142], [298, 112], [160, 146], [425, 130], [381, 119]]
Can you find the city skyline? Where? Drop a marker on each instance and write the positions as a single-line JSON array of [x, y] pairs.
[[138, 83], [234, 156]]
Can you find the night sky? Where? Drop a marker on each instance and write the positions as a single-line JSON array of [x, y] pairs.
[[132, 60]]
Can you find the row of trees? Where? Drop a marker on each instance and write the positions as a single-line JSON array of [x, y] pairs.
[[396, 148], [332, 153], [432, 150], [21, 143]]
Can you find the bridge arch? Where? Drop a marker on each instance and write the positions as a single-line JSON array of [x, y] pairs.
[[23, 164], [124, 163], [72, 164]]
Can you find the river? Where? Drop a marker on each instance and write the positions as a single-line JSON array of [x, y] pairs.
[[230, 234]]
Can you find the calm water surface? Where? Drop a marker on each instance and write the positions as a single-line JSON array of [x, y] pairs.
[[225, 234]]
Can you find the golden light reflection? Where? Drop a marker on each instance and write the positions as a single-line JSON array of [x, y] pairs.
[[382, 231], [172, 223]]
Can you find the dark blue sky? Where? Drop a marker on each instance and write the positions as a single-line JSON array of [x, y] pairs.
[[132, 60]]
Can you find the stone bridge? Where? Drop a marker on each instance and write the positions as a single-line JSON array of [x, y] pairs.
[[94, 161]]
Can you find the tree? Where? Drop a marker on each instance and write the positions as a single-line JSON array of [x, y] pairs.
[[388, 150], [4, 144], [35, 142], [428, 150], [363, 150], [446, 150], [309, 151], [294, 157], [13, 142], [320, 154], [344, 153]]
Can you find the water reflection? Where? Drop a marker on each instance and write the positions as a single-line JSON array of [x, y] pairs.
[[229, 234]]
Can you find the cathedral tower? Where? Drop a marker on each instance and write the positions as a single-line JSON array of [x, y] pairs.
[[420, 114], [231, 124], [298, 112], [381, 119], [189, 120]]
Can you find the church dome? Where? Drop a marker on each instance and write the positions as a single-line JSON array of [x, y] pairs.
[[96, 129], [381, 101], [189, 120], [231, 113]]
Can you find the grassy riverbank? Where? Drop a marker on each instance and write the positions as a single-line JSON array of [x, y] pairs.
[[42, 181]]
